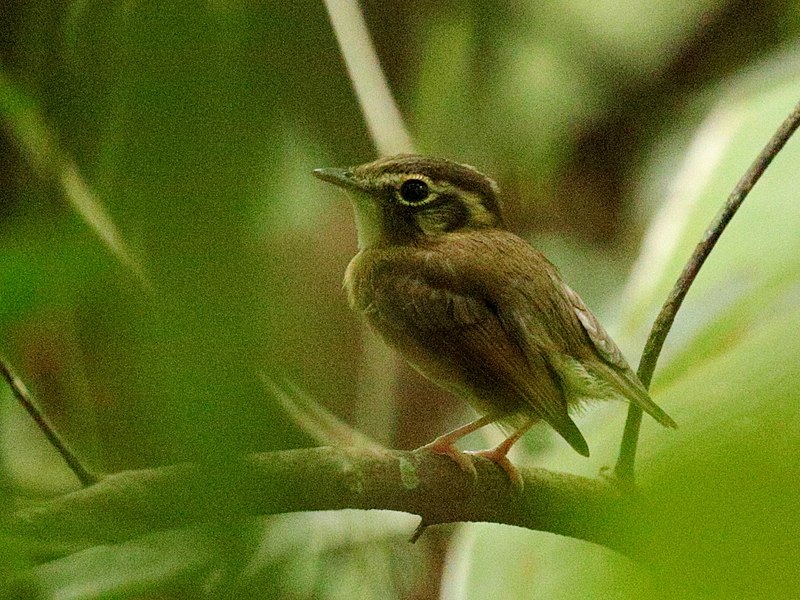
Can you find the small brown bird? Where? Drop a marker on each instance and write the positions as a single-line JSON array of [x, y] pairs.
[[474, 307]]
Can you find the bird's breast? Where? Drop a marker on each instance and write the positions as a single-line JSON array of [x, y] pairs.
[[372, 282], [358, 284]]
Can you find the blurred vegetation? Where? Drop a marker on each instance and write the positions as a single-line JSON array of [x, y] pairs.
[[195, 126]]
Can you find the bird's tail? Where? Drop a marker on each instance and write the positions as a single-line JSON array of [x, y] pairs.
[[567, 429], [629, 386]]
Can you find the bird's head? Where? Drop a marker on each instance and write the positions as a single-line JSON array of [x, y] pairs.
[[407, 198]]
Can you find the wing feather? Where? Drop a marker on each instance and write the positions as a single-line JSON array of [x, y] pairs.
[[489, 318], [470, 331], [599, 337], [618, 373]]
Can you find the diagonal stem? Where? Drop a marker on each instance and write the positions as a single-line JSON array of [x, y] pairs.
[[379, 371], [21, 393], [383, 118], [663, 323]]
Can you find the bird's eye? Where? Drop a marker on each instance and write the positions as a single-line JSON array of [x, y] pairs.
[[414, 190]]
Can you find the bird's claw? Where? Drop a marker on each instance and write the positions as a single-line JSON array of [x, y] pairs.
[[462, 459], [501, 460]]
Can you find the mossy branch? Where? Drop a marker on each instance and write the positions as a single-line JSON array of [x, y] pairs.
[[132, 503]]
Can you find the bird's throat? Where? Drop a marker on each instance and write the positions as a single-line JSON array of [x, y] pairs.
[[369, 221]]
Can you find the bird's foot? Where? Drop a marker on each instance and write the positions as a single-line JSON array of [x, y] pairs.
[[445, 447], [499, 457]]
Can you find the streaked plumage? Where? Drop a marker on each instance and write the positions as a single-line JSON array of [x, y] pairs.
[[472, 306]]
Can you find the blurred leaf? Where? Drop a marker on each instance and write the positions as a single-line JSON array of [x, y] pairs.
[[39, 144], [618, 29], [292, 554], [322, 425], [334, 555], [535, 565], [722, 488], [143, 566], [443, 88]]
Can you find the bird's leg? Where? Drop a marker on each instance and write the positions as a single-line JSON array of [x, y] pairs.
[[499, 455], [444, 443]]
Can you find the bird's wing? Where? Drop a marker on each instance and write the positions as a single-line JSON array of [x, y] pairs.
[[602, 342], [549, 321], [468, 327], [417, 301], [619, 375]]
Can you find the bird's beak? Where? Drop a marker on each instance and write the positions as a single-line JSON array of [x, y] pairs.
[[342, 178], [367, 210]]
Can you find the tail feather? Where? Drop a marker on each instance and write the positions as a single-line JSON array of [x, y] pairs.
[[567, 429], [643, 400], [628, 384]]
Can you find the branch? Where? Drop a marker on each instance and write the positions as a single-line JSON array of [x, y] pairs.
[[663, 323], [132, 503], [22, 395]]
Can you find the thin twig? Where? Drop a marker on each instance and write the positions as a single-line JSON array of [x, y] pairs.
[[21, 393], [663, 323]]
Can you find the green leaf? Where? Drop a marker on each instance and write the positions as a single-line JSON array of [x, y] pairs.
[[314, 419], [132, 568], [721, 489], [39, 144]]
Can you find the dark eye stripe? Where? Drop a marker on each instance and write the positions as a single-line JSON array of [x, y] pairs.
[[445, 213]]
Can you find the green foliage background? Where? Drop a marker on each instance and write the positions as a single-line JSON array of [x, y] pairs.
[[196, 126]]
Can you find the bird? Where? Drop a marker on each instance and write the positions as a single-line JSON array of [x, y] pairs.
[[474, 307]]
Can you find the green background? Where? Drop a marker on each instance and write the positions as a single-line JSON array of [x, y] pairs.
[[610, 127]]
